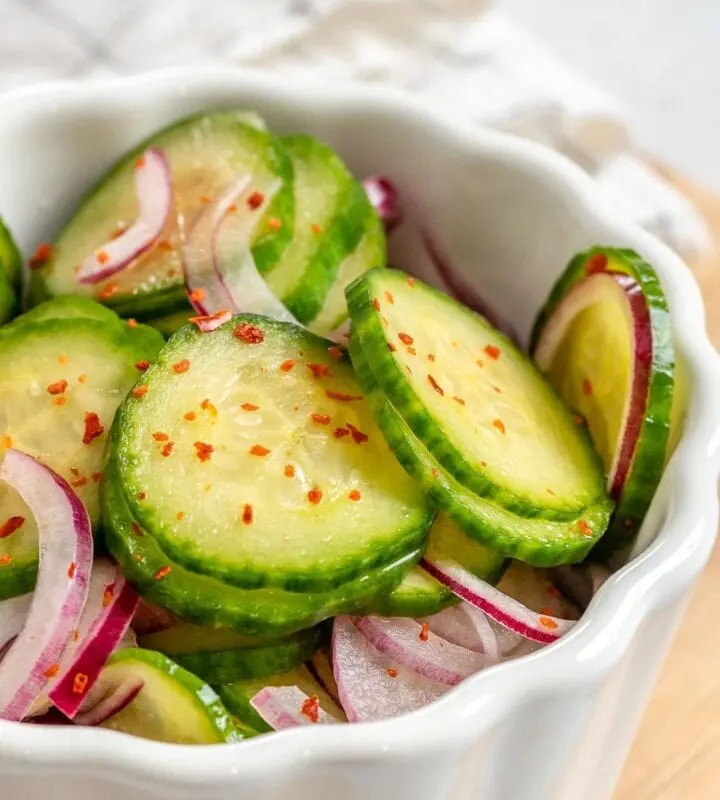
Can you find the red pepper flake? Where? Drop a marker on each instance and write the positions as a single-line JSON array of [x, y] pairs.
[[405, 338], [206, 405], [585, 529], [203, 450], [315, 228], [338, 433], [5, 559], [492, 351], [10, 526], [391, 347], [250, 334], [52, 671], [412, 351], [78, 482], [6, 441], [255, 200], [108, 595], [43, 252], [310, 708], [315, 495], [232, 208], [389, 298], [136, 529], [140, 162], [431, 357], [435, 385], [321, 419], [547, 611], [435, 472], [118, 232], [578, 420], [75, 471], [80, 682], [342, 397], [71, 570], [319, 370], [597, 263], [139, 391], [139, 558], [411, 281], [547, 622], [60, 401], [141, 495], [208, 323], [82, 378], [190, 416], [586, 386], [289, 471], [181, 366], [167, 449], [93, 428], [58, 387], [167, 247], [132, 323], [160, 436], [459, 400], [108, 291], [424, 632], [204, 200], [249, 407], [247, 515], [96, 476], [499, 424], [180, 516], [479, 362], [497, 389], [197, 295], [142, 365], [553, 591], [335, 352], [354, 495], [376, 304], [258, 450], [274, 224], [392, 672], [162, 573], [358, 436], [76, 635], [287, 365]]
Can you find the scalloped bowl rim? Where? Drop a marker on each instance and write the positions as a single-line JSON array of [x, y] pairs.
[[660, 573]]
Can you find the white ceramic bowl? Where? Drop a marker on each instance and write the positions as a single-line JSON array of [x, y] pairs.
[[551, 726]]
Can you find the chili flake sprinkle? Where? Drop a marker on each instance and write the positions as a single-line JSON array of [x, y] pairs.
[[274, 224], [78, 482], [459, 400], [180, 516], [59, 401], [167, 247], [163, 572], [435, 385], [547, 622], [203, 450], [424, 632], [389, 298], [319, 370], [598, 263], [63, 360], [357, 435], [71, 570], [5, 559], [142, 365], [499, 424], [82, 378], [255, 200], [338, 433], [181, 366], [80, 682], [497, 389], [412, 351], [250, 334], [315, 228], [93, 428], [258, 450], [586, 386], [405, 338], [52, 671], [108, 595], [167, 449], [578, 420], [391, 347], [249, 407], [431, 357], [354, 495], [108, 291], [10, 526], [376, 304], [190, 416], [197, 295], [392, 672], [132, 323], [342, 397], [492, 351], [209, 322], [287, 365], [76, 635], [136, 529], [289, 471], [335, 352], [42, 253], [315, 495], [310, 708], [58, 387], [585, 529], [141, 495], [6, 441], [410, 281], [206, 405], [139, 391], [205, 200], [160, 436], [435, 472], [247, 515], [553, 591], [321, 419]]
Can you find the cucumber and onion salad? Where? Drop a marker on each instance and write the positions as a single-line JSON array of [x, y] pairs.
[[252, 479]]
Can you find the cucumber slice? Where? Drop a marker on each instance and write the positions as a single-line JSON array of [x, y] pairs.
[[10, 274], [173, 705], [98, 362], [350, 506], [211, 654], [331, 209], [419, 595], [206, 152], [8, 297], [237, 695], [473, 399], [604, 340], [206, 601], [69, 307], [537, 541], [171, 323]]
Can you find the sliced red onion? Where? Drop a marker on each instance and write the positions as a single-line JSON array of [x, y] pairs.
[[416, 647], [111, 612], [153, 189], [66, 552], [498, 606], [150, 618], [107, 698], [288, 707], [13, 613], [466, 626], [370, 685], [341, 334], [383, 196]]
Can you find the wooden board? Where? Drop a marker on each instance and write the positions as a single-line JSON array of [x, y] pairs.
[[676, 755]]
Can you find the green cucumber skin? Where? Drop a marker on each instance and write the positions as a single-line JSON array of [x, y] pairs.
[[650, 452], [68, 307], [10, 275], [413, 535], [207, 601], [459, 503], [400, 603], [169, 295], [255, 662], [8, 298], [204, 697], [388, 375]]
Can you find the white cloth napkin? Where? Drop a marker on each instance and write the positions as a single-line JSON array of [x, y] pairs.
[[458, 53]]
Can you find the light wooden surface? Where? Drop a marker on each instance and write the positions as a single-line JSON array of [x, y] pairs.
[[677, 753]]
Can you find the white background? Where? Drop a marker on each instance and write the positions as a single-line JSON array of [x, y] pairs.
[[660, 57]]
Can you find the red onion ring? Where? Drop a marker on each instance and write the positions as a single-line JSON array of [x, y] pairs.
[[288, 707]]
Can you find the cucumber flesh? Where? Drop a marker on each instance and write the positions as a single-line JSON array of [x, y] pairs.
[[206, 153], [474, 400], [419, 595], [265, 408], [173, 706], [238, 694], [536, 541], [98, 362]]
